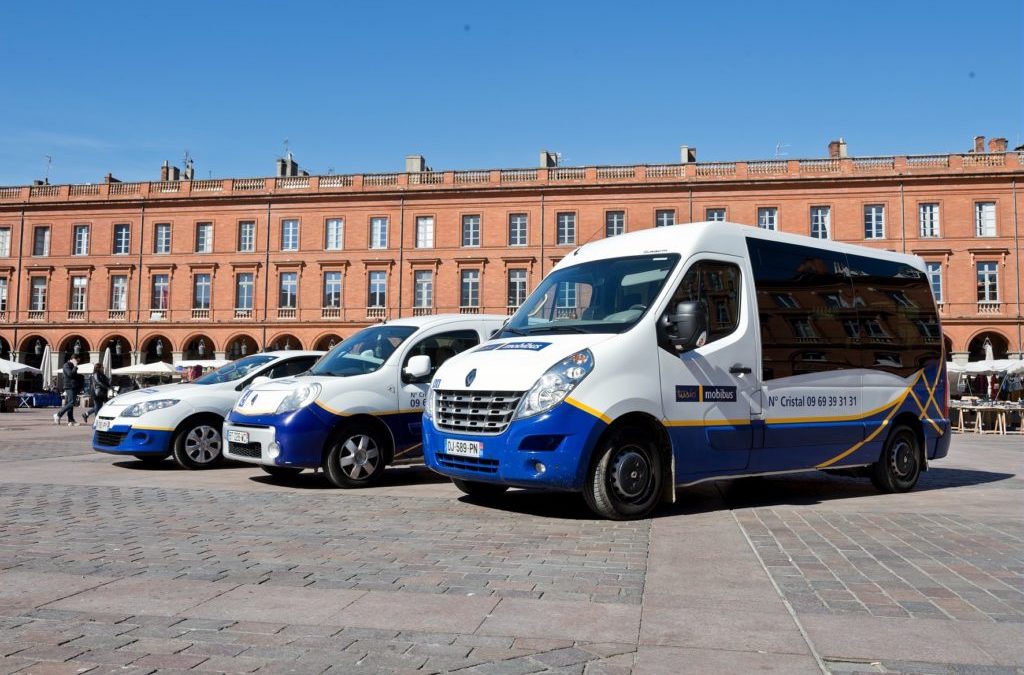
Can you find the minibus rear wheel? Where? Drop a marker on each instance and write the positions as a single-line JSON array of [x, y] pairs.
[[899, 467], [357, 457], [479, 490], [624, 480]]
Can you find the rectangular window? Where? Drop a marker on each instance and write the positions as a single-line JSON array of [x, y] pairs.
[[566, 228], [768, 218], [332, 290], [565, 300], [5, 242], [160, 292], [37, 299], [425, 232], [41, 240], [289, 235], [3, 294], [289, 290], [201, 291], [470, 230], [928, 217], [985, 219], [469, 290], [874, 221], [714, 215], [379, 233], [79, 285], [246, 236], [934, 270], [244, 289], [821, 222], [81, 246], [334, 238], [122, 239], [988, 282], [517, 228], [378, 289], [614, 223], [204, 237], [162, 238], [423, 288], [516, 287], [664, 217], [119, 292]]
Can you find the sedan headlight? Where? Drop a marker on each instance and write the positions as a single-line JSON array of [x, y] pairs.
[[140, 409], [554, 385], [299, 397]]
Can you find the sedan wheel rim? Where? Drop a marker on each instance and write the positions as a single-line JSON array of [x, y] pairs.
[[359, 457], [202, 444]]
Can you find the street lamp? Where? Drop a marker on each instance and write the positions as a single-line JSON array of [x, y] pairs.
[[117, 347], [78, 347], [202, 348], [38, 347], [159, 349], [245, 348]]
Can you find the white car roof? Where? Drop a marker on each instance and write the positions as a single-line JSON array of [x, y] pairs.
[[281, 353], [440, 319]]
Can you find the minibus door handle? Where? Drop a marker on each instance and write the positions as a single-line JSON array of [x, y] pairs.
[[740, 370]]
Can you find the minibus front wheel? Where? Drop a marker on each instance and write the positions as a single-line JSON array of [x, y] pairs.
[[899, 467], [624, 480]]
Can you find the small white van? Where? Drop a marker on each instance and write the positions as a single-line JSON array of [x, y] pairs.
[[682, 354], [358, 409]]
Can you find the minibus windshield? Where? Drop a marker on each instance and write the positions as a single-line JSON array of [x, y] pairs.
[[364, 352], [235, 370], [601, 296]]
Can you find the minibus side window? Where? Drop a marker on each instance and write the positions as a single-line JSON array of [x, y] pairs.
[[716, 285]]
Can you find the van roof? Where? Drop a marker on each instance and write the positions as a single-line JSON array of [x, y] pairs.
[[435, 319], [719, 236]]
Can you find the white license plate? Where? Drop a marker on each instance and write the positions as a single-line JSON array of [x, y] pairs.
[[464, 448], [238, 436], [103, 425]]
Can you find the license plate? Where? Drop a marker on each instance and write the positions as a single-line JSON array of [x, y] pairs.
[[464, 448], [238, 436], [103, 425]]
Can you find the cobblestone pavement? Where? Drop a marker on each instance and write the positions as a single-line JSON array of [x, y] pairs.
[[106, 566]]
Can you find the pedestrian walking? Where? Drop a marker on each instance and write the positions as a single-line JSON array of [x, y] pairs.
[[72, 387], [99, 392]]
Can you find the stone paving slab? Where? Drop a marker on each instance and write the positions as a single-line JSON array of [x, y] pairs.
[[134, 595], [277, 604], [660, 660], [25, 589], [596, 622]]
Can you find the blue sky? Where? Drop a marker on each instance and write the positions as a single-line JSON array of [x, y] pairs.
[[122, 86]]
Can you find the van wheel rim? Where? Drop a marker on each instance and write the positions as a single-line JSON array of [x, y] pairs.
[[904, 460], [630, 474], [202, 444], [359, 457]]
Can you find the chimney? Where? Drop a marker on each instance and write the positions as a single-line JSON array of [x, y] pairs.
[[190, 169], [168, 172], [287, 166], [837, 149], [687, 155], [997, 145], [548, 159], [40, 181], [415, 164], [979, 144], [109, 178]]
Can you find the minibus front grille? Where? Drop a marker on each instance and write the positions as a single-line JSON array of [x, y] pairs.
[[467, 463], [475, 412]]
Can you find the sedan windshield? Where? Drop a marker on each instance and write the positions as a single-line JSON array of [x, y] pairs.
[[602, 296], [364, 352], [235, 370]]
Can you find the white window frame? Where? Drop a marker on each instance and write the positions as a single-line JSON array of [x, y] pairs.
[[928, 216], [518, 229], [933, 270], [472, 226], [333, 299], [469, 288], [874, 221], [565, 228], [204, 237], [196, 285], [614, 223], [379, 232], [122, 244], [79, 293], [377, 279], [988, 280], [334, 234], [290, 234], [4, 291], [518, 288], [768, 218], [37, 293], [712, 214], [985, 219], [424, 231], [164, 303], [423, 289], [245, 290], [46, 240], [81, 239], [5, 242], [119, 292], [664, 217], [290, 301], [162, 238], [821, 222], [246, 236]]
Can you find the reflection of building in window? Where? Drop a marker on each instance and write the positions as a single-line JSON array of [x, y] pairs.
[[836, 301], [929, 329], [812, 356], [852, 327], [875, 329], [785, 300], [722, 313], [901, 299], [888, 359], [803, 329], [565, 301]]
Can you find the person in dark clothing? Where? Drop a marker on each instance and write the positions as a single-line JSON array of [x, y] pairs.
[[100, 392], [72, 387]]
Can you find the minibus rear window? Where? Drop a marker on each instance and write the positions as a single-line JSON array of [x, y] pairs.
[[601, 296]]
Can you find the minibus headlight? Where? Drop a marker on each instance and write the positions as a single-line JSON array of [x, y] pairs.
[[554, 385], [140, 409], [299, 397], [428, 405]]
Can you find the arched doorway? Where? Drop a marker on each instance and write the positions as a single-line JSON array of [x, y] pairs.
[[284, 342], [327, 342], [74, 345], [32, 349], [5, 349], [120, 351], [948, 344], [240, 346], [988, 341], [198, 348], [157, 348]]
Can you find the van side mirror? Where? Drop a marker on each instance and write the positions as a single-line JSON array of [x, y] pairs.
[[261, 379], [686, 325], [418, 368]]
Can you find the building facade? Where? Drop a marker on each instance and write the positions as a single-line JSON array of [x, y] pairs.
[[189, 269]]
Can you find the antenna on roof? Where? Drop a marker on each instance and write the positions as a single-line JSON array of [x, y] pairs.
[[779, 152], [287, 152], [49, 162]]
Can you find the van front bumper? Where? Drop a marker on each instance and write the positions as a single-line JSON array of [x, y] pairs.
[[297, 438], [549, 451]]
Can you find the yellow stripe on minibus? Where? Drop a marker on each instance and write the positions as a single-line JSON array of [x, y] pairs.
[[590, 411]]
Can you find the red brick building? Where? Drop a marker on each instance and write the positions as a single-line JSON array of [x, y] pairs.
[[181, 268]]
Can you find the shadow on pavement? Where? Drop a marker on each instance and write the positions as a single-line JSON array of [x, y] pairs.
[[170, 465], [393, 477]]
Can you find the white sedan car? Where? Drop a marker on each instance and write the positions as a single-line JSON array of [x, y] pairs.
[[186, 419]]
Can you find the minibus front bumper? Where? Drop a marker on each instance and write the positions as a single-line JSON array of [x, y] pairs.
[[549, 451]]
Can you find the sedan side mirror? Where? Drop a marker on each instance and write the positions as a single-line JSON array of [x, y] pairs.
[[686, 327], [417, 368]]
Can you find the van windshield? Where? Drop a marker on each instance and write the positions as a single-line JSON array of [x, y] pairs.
[[602, 296], [235, 370], [364, 352]]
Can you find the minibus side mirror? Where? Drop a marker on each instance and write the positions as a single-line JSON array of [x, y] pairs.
[[417, 368], [686, 326]]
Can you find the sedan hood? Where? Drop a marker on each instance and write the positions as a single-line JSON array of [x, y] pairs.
[[151, 393]]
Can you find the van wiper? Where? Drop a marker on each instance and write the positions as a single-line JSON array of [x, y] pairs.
[[514, 331], [558, 329]]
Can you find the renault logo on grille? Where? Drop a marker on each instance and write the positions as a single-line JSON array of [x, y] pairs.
[[470, 376]]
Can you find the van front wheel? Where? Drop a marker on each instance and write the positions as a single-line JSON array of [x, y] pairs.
[[624, 480], [356, 459], [899, 467]]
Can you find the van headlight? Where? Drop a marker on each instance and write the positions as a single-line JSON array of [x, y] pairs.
[[428, 405], [299, 397], [554, 385], [140, 409]]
